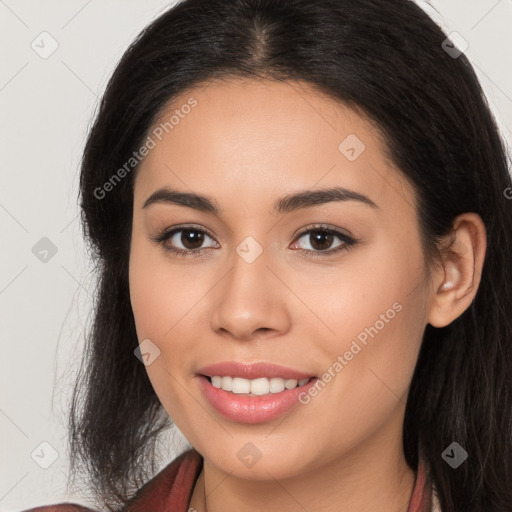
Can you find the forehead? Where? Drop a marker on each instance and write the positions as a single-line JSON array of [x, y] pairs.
[[263, 138]]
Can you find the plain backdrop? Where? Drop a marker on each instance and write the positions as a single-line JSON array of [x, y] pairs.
[[47, 104]]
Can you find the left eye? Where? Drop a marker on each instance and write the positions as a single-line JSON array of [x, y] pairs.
[[321, 239]]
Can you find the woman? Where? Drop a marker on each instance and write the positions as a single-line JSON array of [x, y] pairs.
[[300, 217]]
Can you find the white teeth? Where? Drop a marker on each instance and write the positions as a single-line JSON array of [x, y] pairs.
[[290, 383], [217, 381], [241, 385], [227, 383], [276, 385], [261, 386]]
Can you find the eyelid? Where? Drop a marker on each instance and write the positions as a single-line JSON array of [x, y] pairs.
[[178, 227], [323, 227], [164, 234]]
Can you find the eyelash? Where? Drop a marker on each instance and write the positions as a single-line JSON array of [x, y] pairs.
[[166, 234]]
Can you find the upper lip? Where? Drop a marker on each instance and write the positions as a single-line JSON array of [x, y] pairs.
[[251, 370]]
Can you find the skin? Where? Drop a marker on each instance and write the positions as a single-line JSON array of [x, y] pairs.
[[246, 144]]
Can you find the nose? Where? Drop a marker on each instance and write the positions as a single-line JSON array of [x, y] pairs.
[[251, 303]]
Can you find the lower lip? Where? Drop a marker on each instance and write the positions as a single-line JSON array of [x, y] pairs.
[[252, 409]]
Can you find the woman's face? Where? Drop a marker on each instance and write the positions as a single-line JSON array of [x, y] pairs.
[[258, 287]]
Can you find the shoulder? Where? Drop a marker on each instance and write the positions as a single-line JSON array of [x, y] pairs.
[[61, 507], [174, 484]]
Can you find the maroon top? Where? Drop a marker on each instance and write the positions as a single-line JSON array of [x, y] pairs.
[[171, 490]]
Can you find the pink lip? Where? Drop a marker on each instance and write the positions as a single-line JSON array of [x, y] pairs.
[[251, 370], [243, 408], [252, 409]]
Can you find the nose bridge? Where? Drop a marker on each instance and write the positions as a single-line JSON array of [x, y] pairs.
[[249, 269], [248, 300]]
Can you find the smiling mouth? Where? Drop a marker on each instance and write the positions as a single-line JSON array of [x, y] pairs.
[[255, 387]]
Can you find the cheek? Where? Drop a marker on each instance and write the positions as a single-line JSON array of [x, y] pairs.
[[372, 386], [379, 295], [161, 293], [147, 295], [166, 303], [381, 319]]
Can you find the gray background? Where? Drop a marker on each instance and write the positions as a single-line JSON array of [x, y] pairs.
[[47, 105]]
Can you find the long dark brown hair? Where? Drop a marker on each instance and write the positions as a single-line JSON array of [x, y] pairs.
[[386, 59]]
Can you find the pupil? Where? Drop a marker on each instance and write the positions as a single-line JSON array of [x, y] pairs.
[[318, 239], [190, 237]]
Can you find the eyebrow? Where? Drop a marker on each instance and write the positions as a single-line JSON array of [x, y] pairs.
[[285, 204]]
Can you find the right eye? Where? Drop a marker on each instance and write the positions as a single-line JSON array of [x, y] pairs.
[[188, 236]]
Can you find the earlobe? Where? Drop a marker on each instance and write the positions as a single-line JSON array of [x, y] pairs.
[[459, 278]]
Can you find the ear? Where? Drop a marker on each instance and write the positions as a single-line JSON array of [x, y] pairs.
[[456, 281]]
